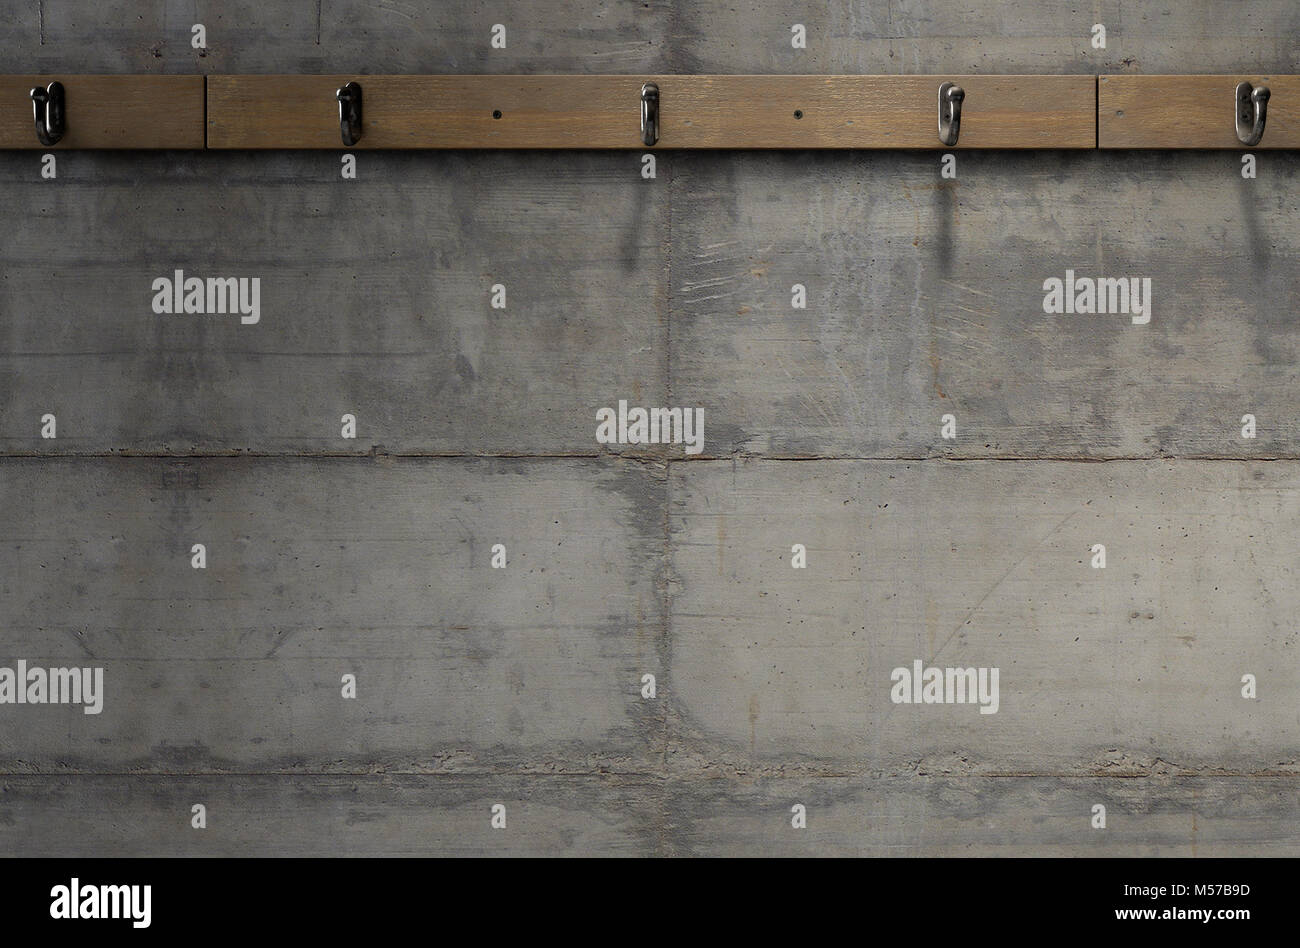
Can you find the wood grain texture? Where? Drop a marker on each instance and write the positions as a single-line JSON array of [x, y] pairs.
[[108, 112], [696, 111], [1191, 112]]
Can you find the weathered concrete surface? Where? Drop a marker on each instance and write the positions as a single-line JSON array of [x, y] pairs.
[[375, 301], [590, 36], [155, 35], [1047, 36], [320, 568], [479, 686], [925, 297], [1129, 669], [366, 815], [985, 816], [322, 36], [359, 815], [380, 306]]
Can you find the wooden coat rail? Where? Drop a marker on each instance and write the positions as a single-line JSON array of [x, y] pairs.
[[109, 111], [640, 112], [1189, 111], [694, 111]]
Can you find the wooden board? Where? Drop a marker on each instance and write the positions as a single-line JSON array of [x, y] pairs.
[[108, 112], [1190, 112], [695, 111]]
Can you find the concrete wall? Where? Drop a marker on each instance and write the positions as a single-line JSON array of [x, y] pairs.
[[476, 426]]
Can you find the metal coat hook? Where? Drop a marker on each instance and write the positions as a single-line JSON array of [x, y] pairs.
[[649, 113], [1251, 110], [47, 109], [950, 99], [350, 113]]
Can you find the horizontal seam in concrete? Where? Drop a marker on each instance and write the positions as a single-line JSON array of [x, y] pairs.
[[657, 459], [656, 776]]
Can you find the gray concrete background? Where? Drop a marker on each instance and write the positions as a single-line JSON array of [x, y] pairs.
[[476, 426]]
